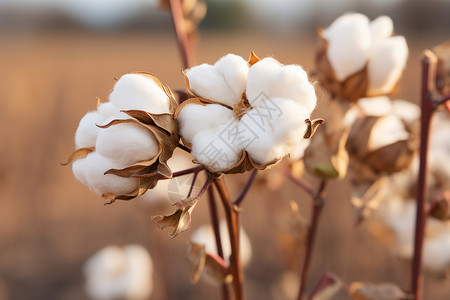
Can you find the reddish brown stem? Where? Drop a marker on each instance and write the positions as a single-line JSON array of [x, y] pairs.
[[298, 181], [246, 188], [216, 229], [428, 79], [184, 42], [318, 202], [187, 171], [231, 215]]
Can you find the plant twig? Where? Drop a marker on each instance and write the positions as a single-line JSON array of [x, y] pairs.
[[216, 229], [187, 171], [185, 44], [300, 182], [318, 201], [442, 100], [233, 229], [246, 188], [429, 62], [194, 179], [184, 148]]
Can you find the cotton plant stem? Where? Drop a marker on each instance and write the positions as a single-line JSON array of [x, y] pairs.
[[246, 188], [216, 229], [300, 182], [185, 44], [231, 215], [318, 201], [429, 62], [194, 179], [187, 171]]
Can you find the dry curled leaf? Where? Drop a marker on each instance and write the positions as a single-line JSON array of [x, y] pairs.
[[79, 154], [180, 220], [380, 291], [327, 287], [212, 264]]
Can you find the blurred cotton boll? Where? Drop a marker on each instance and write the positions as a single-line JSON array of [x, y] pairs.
[[101, 13], [439, 149], [204, 235], [119, 273]]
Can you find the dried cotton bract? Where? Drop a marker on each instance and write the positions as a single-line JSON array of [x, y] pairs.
[[122, 147], [119, 273], [245, 114], [358, 58]]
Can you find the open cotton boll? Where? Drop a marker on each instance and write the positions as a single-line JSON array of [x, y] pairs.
[[381, 28], [194, 118], [139, 92], [408, 112], [386, 131], [222, 82], [436, 252], [205, 235], [349, 41], [386, 64], [107, 110], [116, 273], [87, 130], [268, 79], [375, 106], [79, 169], [276, 125], [127, 143], [95, 167], [215, 147]]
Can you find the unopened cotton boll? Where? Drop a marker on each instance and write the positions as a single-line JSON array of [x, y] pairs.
[[194, 118], [139, 92], [386, 64], [215, 147], [94, 168], [119, 273], [269, 79], [127, 143], [349, 42], [87, 130], [204, 235], [223, 82]]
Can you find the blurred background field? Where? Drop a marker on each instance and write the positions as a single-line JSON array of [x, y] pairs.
[[53, 65]]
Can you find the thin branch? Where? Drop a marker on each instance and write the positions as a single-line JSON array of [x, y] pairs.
[[187, 171], [318, 202], [184, 148], [429, 62], [233, 229], [216, 229], [300, 182], [246, 188], [194, 179], [185, 45]]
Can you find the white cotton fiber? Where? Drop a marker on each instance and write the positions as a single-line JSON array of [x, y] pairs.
[[223, 82], [276, 126], [204, 235], [87, 130], [107, 110], [138, 283], [194, 118], [375, 106], [408, 112], [79, 168], [216, 147], [95, 167], [386, 64], [381, 28], [349, 39], [139, 92], [436, 251], [386, 131], [268, 79], [127, 143]]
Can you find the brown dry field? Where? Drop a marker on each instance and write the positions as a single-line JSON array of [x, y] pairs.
[[50, 223]]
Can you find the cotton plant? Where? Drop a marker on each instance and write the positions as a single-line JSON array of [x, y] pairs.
[[360, 58], [119, 273], [122, 146], [245, 114]]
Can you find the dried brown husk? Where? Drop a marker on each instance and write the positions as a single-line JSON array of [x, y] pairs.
[[164, 128], [442, 52], [212, 264], [379, 291], [354, 87], [245, 163]]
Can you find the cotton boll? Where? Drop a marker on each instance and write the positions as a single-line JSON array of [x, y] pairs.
[[194, 118], [79, 168], [387, 131], [139, 92], [408, 112], [349, 42], [351, 116], [381, 28], [216, 148], [274, 128], [436, 252], [98, 182], [268, 79], [138, 280], [386, 64], [107, 110], [87, 130], [375, 106], [205, 236], [298, 150], [223, 82]]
